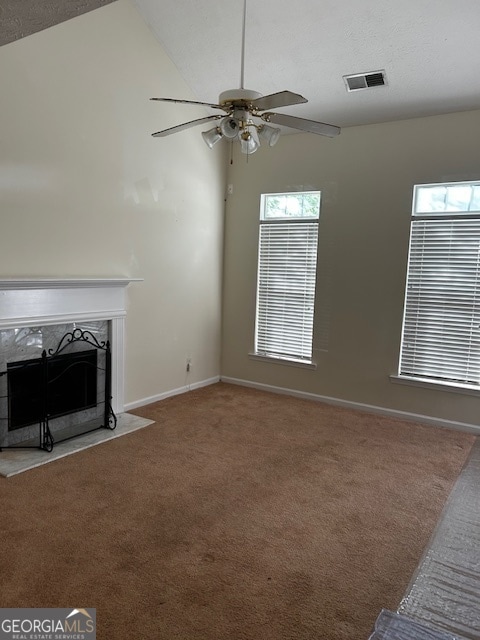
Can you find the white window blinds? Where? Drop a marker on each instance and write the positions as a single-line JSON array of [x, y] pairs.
[[441, 337], [286, 282]]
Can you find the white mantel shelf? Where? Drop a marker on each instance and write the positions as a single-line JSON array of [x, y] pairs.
[[64, 283]]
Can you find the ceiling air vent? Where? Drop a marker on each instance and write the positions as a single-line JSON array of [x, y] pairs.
[[358, 81]]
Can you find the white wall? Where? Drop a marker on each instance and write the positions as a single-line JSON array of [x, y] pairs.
[[86, 191], [366, 176]]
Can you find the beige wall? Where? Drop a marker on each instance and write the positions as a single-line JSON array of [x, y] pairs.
[[366, 177], [86, 191]]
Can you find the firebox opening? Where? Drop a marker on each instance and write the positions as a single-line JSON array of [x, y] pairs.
[[64, 384]]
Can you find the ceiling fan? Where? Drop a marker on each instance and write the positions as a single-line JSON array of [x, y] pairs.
[[241, 106]]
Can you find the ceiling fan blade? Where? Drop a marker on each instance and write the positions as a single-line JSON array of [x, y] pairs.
[[203, 104], [185, 125], [312, 126], [280, 99]]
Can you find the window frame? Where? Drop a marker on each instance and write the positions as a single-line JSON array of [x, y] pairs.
[[450, 216], [296, 222]]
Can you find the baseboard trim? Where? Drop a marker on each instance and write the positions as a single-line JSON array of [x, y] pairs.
[[392, 413], [173, 392]]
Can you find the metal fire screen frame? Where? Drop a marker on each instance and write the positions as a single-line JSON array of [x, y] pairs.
[[46, 439]]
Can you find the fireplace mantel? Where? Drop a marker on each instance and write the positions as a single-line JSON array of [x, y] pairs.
[[64, 283], [29, 302]]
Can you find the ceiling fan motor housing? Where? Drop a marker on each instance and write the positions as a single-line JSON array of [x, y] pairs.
[[238, 96]]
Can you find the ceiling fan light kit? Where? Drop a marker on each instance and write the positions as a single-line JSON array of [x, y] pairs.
[[241, 106]]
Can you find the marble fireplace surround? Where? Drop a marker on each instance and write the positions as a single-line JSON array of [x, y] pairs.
[[47, 301]]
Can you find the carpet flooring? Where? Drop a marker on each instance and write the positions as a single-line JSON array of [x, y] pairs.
[[239, 514]]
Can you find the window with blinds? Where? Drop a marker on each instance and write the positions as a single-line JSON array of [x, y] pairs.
[[287, 264], [441, 325]]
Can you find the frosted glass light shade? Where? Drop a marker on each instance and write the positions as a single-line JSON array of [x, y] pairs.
[[212, 136], [270, 134], [248, 144], [229, 127]]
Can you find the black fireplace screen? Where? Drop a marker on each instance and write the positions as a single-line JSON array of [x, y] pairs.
[[70, 380]]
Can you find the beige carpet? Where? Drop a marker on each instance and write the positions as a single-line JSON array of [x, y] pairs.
[[238, 515]]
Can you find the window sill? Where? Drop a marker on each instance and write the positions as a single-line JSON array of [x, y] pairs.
[[429, 383], [290, 362]]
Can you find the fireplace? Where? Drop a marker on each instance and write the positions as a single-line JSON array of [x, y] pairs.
[[34, 315]]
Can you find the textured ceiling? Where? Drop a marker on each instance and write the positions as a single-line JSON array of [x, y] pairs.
[[20, 18], [429, 49]]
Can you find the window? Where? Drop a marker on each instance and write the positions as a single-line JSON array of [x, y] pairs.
[[441, 335], [287, 262]]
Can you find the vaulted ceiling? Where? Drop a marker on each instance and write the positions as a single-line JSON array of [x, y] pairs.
[[21, 18], [428, 50]]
